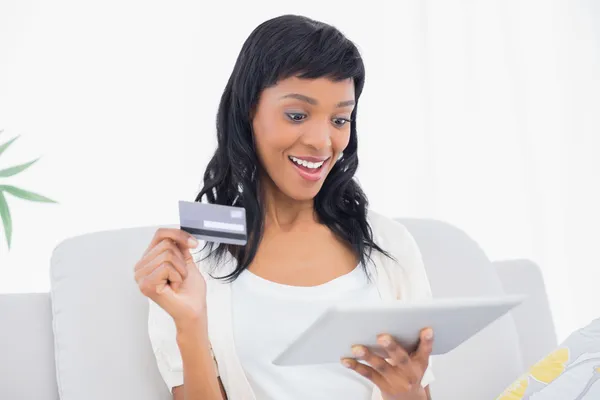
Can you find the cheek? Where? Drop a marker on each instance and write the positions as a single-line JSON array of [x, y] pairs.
[[340, 140], [273, 136]]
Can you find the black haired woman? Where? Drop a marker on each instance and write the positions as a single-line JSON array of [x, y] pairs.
[[287, 153]]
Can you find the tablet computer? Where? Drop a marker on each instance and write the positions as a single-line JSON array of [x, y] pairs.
[[453, 320]]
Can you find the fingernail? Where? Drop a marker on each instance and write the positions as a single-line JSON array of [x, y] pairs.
[[358, 351], [385, 341], [192, 242], [346, 363], [428, 334]]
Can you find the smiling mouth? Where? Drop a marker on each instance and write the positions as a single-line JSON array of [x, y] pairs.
[[309, 166]]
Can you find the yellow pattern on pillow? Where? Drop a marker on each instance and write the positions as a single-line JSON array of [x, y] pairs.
[[572, 372], [551, 367], [516, 391], [544, 371]]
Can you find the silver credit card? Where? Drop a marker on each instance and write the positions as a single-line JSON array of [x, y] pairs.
[[213, 222]]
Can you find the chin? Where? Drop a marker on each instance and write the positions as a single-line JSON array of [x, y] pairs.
[[302, 193], [293, 187]]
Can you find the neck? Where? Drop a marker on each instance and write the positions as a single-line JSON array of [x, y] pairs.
[[283, 212]]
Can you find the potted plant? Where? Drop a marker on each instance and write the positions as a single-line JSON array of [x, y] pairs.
[[14, 191]]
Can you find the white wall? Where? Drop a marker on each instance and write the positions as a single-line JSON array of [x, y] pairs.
[[120, 98], [467, 116]]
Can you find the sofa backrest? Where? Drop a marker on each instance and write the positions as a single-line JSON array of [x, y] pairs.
[[533, 318], [483, 366]]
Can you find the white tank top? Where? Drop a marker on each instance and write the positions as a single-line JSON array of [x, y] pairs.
[[267, 316]]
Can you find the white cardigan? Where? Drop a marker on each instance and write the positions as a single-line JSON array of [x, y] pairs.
[[404, 279]]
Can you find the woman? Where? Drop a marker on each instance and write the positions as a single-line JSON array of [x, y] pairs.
[[287, 153]]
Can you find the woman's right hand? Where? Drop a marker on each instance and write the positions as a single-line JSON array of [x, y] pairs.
[[167, 274]]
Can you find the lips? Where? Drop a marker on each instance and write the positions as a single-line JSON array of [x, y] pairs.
[[310, 158], [309, 163], [310, 168]]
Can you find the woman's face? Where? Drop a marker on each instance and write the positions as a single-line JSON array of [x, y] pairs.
[[300, 128]]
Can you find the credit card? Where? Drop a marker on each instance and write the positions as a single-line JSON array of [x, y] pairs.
[[213, 222]]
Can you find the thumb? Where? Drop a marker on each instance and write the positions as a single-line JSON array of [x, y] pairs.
[[190, 262], [188, 257], [425, 346]]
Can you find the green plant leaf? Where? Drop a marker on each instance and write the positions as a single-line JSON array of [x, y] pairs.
[[6, 219], [5, 173], [24, 194], [5, 145]]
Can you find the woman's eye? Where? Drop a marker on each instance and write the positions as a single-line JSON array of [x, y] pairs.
[[339, 122], [296, 117]]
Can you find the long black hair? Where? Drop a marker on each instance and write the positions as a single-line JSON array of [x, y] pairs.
[[280, 48]]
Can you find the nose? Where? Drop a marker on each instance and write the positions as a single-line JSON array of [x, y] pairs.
[[318, 135]]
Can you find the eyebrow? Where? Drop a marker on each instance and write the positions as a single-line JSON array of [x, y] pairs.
[[312, 101]]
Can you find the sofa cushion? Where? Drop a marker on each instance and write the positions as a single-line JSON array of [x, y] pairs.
[[100, 319]]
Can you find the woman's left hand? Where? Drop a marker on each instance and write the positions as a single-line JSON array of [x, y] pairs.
[[399, 376]]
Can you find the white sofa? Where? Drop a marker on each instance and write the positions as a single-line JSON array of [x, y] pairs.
[[87, 338]]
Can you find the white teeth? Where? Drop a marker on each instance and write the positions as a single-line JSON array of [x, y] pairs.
[[307, 164]]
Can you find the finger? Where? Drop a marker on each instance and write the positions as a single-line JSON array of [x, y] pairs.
[[172, 276], [421, 356], [183, 239], [172, 246], [368, 372], [169, 259], [377, 363], [399, 357], [156, 283], [396, 353], [161, 246], [166, 257], [165, 245]]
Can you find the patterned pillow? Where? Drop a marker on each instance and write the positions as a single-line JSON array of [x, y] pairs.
[[571, 372]]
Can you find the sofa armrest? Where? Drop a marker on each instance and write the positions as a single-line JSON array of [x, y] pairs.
[[27, 369], [533, 319]]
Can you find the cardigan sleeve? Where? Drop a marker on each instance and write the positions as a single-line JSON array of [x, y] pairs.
[[163, 338]]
